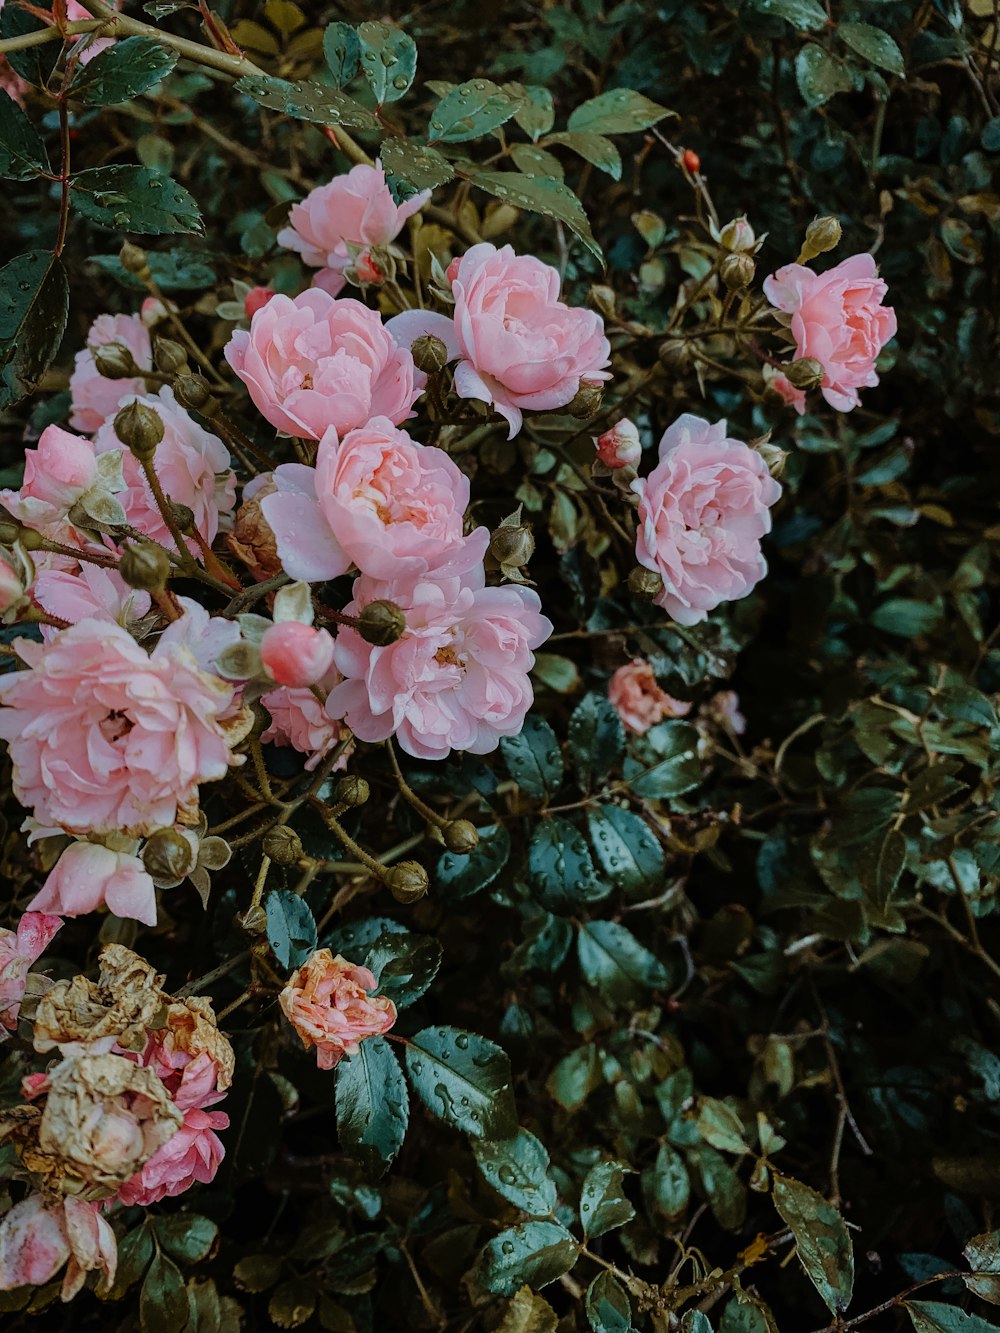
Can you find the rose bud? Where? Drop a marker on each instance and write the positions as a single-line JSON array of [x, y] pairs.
[[737, 235], [619, 446], [351, 790], [256, 298], [192, 391], [429, 354], [513, 546], [133, 259], [145, 566], [381, 623], [11, 586], [115, 362], [296, 655], [805, 373], [587, 402], [407, 882], [283, 845], [460, 836], [153, 311], [139, 428], [169, 356], [822, 234], [737, 271], [367, 271], [645, 584]]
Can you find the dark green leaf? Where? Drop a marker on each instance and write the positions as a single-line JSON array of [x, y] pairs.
[[535, 1253], [122, 71], [22, 154], [596, 738], [874, 45], [34, 63], [163, 1300], [342, 50], [465, 1079], [518, 1169], [936, 1317], [34, 304], [535, 113], [459, 877], [806, 15], [373, 1105], [470, 110], [822, 1241], [819, 75], [667, 1186], [173, 270], [719, 1125], [308, 101], [608, 1307], [575, 1077], [725, 1192], [561, 871], [423, 168], [664, 762], [534, 759], [625, 849], [615, 963], [187, 1237], [552, 198], [603, 1205], [388, 60], [404, 965], [356, 939], [619, 111], [593, 148], [291, 927], [983, 1256], [906, 617], [134, 1253], [135, 199]]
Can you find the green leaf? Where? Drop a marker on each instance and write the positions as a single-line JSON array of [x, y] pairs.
[[469, 110], [560, 868], [388, 60], [719, 1125], [822, 1241], [134, 199], [614, 962], [983, 1256], [528, 1313], [936, 1317], [465, 1079], [667, 1186], [535, 1253], [806, 15], [557, 672], [726, 1193], [539, 195], [603, 1205], [404, 965], [458, 877], [357, 938], [174, 270], [518, 1169], [22, 154], [308, 101], [34, 63], [875, 45], [593, 148], [619, 111], [122, 71], [423, 168], [906, 617], [535, 110], [134, 1253], [34, 304], [596, 738], [747, 1314], [163, 1300], [373, 1105], [608, 1307], [819, 76], [625, 849], [575, 1077], [342, 51], [665, 761], [187, 1237], [291, 927], [534, 759]]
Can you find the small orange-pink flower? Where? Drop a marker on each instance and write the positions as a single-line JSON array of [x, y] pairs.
[[639, 701], [328, 1004]]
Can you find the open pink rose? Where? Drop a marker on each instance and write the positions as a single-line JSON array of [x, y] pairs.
[[299, 719], [639, 701], [106, 737], [456, 680], [95, 398], [838, 319], [192, 1156], [327, 1003], [336, 224], [702, 512], [313, 362], [18, 950], [88, 875], [520, 347], [39, 1235], [60, 469], [92, 593]]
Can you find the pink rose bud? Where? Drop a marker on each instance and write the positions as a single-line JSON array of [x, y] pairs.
[[256, 298], [451, 272], [296, 655], [367, 270], [153, 311], [11, 586], [619, 446]]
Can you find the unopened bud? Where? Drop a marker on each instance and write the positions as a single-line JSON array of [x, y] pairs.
[[139, 428], [253, 920], [154, 311], [805, 373], [256, 299], [10, 530], [822, 234], [737, 271], [115, 362], [674, 354], [133, 259], [587, 401], [351, 790], [460, 836], [30, 539], [11, 586], [192, 391], [772, 456], [512, 546], [645, 584], [381, 623], [737, 235], [283, 845], [169, 855], [619, 447], [184, 516], [145, 566], [169, 356], [369, 271], [407, 882], [429, 354]]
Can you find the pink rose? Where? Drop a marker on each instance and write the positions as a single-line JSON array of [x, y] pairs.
[[11, 587], [35, 932], [639, 701], [60, 470], [95, 398], [299, 719], [92, 593], [702, 512], [327, 1003], [256, 298], [193, 466], [724, 708], [457, 678], [619, 447], [38, 1236], [838, 319], [782, 385], [88, 46], [335, 225], [315, 362], [88, 875], [520, 347], [192, 1156], [105, 737], [378, 499], [296, 655]]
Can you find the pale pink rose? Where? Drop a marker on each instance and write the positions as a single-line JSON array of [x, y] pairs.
[[60, 469], [87, 876], [94, 398], [92, 592], [335, 225], [296, 655], [194, 468], [192, 1156], [639, 701], [783, 385], [619, 447], [378, 499], [105, 737], [38, 1236], [18, 950], [327, 1003], [702, 512], [11, 586], [519, 347], [458, 677], [88, 46], [838, 319], [313, 362], [203, 635], [300, 720]]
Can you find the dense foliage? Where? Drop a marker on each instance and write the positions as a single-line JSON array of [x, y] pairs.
[[702, 1033]]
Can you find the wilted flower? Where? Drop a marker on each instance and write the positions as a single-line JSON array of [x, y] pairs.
[[18, 950], [41, 1234], [115, 1011]]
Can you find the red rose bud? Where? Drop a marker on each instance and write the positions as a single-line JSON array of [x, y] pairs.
[[367, 270], [619, 446], [256, 299]]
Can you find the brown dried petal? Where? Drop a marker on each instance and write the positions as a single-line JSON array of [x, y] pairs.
[[193, 1029]]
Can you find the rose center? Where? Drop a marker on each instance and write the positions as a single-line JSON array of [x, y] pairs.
[[115, 726]]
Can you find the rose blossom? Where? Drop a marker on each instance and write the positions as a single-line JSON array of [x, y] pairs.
[[638, 700], [88, 875], [313, 362], [61, 469], [256, 298], [296, 655], [783, 386], [456, 679], [336, 224], [378, 499], [94, 397], [327, 1003], [299, 719], [838, 319], [619, 447], [520, 347], [39, 1235], [724, 708], [18, 950], [91, 593], [191, 1156], [192, 1058], [105, 737], [702, 512]]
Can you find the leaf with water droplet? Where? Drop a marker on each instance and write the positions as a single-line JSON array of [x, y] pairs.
[[388, 60], [518, 1169], [664, 762], [342, 49], [34, 304], [620, 111], [596, 737], [535, 1253], [122, 71], [22, 153], [373, 1105], [136, 199], [608, 1307], [458, 877], [603, 1205], [626, 850], [616, 964], [423, 168], [444, 1072], [560, 868], [291, 929], [594, 148], [822, 1241], [404, 965], [533, 758], [308, 101], [551, 198], [469, 110]]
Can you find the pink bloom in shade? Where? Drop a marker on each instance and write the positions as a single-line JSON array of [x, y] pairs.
[[702, 512], [194, 468], [520, 347], [299, 720], [88, 875], [783, 385], [38, 1237], [639, 701], [105, 737], [295, 654], [91, 593], [313, 362], [838, 319], [95, 398], [88, 46], [458, 677], [18, 950], [11, 586], [192, 1156], [256, 298], [327, 1003], [154, 311], [724, 707], [619, 446], [335, 225]]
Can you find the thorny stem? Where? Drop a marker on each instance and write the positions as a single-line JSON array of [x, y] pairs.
[[53, 34], [230, 965], [410, 796], [163, 505], [335, 826]]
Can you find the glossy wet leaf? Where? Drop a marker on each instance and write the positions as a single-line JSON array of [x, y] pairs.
[[535, 1253], [22, 153], [424, 168], [464, 1079], [540, 195], [619, 111], [373, 1104], [560, 867], [34, 304], [469, 110], [625, 850], [613, 961], [822, 1241], [518, 1169], [404, 965], [134, 199], [603, 1203], [936, 1317], [874, 44], [291, 927], [607, 1305], [533, 758], [596, 738], [308, 101], [458, 877], [122, 71], [388, 60]]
